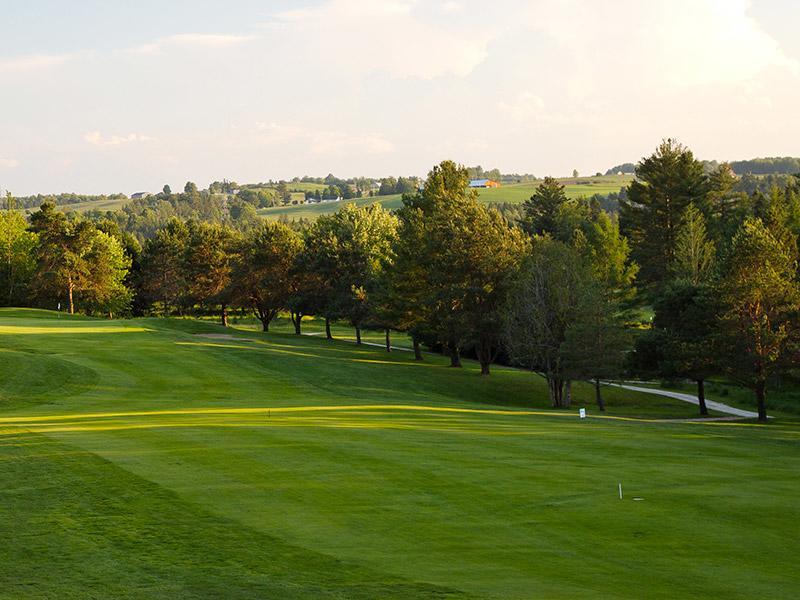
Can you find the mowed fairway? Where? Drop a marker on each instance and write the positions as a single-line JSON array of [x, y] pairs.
[[174, 459]]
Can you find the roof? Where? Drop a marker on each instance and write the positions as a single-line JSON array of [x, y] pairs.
[[478, 182]]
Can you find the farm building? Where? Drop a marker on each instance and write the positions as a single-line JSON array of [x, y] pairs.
[[139, 195], [483, 183]]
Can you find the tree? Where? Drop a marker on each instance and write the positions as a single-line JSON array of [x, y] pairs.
[[759, 327], [190, 188], [459, 256], [167, 191], [608, 255], [694, 253], [726, 205], [666, 183], [350, 250], [207, 265], [17, 257], [596, 342], [575, 173], [61, 253], [542, 306], [107, 264], [163, 278], [543, 208], [283, 193], [262, 274], [681, 341]]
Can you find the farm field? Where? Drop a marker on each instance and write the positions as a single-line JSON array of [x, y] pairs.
[[513, 193], [111, 204], [174, 458]]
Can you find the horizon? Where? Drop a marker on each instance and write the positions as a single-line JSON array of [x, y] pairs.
[[109, 98]]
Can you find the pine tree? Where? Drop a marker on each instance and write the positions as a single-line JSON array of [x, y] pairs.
[[694, 253], [666, 183]]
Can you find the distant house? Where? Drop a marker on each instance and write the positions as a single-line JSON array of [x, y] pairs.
[[483, 183], [139, 195]]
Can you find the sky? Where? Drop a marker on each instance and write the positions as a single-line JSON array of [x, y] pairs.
[[105, 96]]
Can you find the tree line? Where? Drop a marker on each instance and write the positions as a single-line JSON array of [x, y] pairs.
[[559, 290]]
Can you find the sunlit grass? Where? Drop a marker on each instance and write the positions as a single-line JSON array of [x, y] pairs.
[[165, 464]]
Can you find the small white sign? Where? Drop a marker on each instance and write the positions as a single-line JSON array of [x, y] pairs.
[[583, 413]]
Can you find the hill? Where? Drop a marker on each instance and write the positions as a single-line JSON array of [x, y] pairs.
[[513, 193], [174, 458]]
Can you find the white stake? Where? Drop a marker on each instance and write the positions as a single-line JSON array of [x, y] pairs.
[[620, 491]]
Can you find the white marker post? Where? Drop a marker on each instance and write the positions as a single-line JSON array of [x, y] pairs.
[[582, 413], [620, 491]]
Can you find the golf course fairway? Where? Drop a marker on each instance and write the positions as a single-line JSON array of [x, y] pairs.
[[173, 458]]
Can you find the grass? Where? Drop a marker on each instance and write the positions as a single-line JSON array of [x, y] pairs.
[[573, 188], [139, 459], [513, 193], [311, 211]]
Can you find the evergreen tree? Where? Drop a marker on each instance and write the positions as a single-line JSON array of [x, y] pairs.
[[666, 183], [694, 253]]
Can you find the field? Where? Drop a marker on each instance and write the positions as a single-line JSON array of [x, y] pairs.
[[513, 193], [173, 458], [111, 204]]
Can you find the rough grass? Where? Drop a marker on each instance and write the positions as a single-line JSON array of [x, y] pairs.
[[273, 466]]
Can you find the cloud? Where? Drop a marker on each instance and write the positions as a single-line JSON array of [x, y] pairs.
[[451, 7], [8, 163], [322, 141], [665, 42], [525, 107], [96, 139], [191, 40], [33, 62], [386, 36]]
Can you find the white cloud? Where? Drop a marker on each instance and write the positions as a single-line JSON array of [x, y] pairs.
[[386, 36], [96, 139], [315, 141], [8, 163], [526, 106], [32, 62], [662, 42], [191, 40], [451, 7]]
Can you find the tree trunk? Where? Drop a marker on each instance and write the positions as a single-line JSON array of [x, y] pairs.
[[701, 396], [70, 287], [328, 334], [484, 365], [224, 315], [265, 325], [455, 357], [761, 397], [598, 396], [417, 349], [556, 388], [484, 352], [358, 335], [388, 340], [568, 394], [296, 321]]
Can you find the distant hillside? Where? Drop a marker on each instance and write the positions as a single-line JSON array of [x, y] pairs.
[[506, 194], [776, 165]]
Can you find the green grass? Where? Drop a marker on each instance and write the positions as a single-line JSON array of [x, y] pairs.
[[104, 205], [140, 460], [513, 193], [573, 188], [315, 209]]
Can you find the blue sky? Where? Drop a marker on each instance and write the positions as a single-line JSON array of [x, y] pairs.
[[112, 96]]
